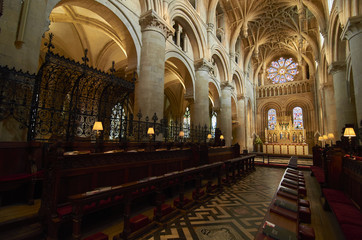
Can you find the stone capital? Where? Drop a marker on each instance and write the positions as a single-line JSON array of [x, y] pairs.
[[150, 21], [240, 97], [189, 98], [226, 86], [210, 27], [335, 67], [352, 28], [203, 65]]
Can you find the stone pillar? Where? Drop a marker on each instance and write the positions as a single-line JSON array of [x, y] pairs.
[[353, 33], [225, 112], [240, 129], [345, 110], [149, 88], [200, 109], [330, 110]]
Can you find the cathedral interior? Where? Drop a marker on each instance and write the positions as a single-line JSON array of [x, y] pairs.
[[214, 79]]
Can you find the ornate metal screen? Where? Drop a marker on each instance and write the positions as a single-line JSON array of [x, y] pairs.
[[16, 91], [70, 96]]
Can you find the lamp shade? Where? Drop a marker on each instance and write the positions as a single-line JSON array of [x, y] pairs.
[[349, 132], [321, 139], [325, 137], [209, 136], [181, 134], [97, 126], [150, 131], [222, 137], [330, 136]]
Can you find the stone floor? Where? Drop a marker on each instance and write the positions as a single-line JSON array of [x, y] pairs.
[[234, 214]]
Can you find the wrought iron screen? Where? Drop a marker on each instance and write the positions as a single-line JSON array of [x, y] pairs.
[[70, 96]]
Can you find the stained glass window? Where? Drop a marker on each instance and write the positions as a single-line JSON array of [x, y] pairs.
[[272, 119], [213, 123], [282, 70], [298, 118], [187, 121], [117, 112]]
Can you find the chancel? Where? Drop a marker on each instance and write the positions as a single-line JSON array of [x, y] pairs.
[[180, 119]]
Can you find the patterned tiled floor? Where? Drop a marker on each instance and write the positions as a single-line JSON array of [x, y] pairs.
[[234, 214]]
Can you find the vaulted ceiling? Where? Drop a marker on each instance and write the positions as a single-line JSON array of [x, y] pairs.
[[268, 29]]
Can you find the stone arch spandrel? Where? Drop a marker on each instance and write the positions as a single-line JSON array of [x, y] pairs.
[[189, 82], [221, 64], [214, 94]]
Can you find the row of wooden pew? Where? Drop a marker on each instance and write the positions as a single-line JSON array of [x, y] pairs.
[[289, 215], [340, 177], [79, 184]]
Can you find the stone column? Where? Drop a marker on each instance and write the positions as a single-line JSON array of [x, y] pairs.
[[149, 88], [225, 112], [353, 33], [200, 109], [345, 110], [330, 110], [240, 129]]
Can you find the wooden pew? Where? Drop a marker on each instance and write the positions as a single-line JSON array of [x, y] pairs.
[[286, 211], [124, 193], [96, 170], [237, 167], [20, 165]]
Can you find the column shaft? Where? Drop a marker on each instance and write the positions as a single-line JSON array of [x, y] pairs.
[[225, 114]]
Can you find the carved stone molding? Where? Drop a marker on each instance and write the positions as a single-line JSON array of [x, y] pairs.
[[203, 65], [336, 67], [226, 86], [240, 97], [151, 21], [210, 27], [352, 28], [189, 98]]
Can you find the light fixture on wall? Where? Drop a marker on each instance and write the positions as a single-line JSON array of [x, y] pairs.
[[97, 126], [209, 136], [222, 137], [151, 132], [349, 132]]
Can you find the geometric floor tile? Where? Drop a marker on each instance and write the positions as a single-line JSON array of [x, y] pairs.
[[234, 214]]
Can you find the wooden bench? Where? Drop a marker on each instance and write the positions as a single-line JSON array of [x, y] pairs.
[[287, 211], [134, 226], [68, 175], [343, 193], [237, 167], [20, 165]]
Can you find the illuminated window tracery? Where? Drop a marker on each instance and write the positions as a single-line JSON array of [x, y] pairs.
[[282, 70], [272, 119]]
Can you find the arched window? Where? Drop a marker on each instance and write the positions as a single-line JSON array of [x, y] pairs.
[[272, 119], [187, 122], [213, 123], [117, 112], [298, 118], [282, 70]]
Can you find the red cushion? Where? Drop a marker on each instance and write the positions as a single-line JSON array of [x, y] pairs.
[[65, 210], [89, 206], [359, 158], [14, 177], [165, 209], [97, 236], [336, 196], [306, 232], [138, 222], [105, 201], [347, 214], [118, 197], [304, 214], [304, 203], [351, 232]]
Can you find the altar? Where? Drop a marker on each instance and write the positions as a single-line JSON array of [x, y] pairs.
[[286, 149], [284, 137]]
